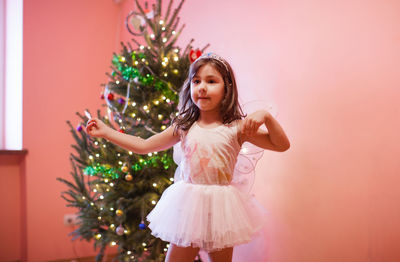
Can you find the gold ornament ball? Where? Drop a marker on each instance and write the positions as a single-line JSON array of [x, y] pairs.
[[119, 212], [125, 169], [128, 177]]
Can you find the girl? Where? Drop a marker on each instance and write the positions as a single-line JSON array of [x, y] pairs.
[[202, 209]]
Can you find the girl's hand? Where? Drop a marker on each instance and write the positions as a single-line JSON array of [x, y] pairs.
[[252, 122], [95, 127]]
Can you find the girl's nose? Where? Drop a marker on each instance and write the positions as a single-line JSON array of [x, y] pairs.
[[202, 88]]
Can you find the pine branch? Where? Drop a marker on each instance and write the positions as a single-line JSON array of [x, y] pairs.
[[168, 10]]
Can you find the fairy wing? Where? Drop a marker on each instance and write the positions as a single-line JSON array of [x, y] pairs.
[[244, 172], [177, 156]]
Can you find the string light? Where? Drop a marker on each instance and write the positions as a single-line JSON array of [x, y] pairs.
[[164, 40], [144, 244], [133, 103], [104, 146], [145, 107], [150, 154], [133, 114], [172, 179], [141, 47], [130, 152], [113, 243], [91, 157], [153, 202], [173, 32], [97, 155], [163, 127], [98, 236], [160, 116], [161, 22], [117, 82], [154, 185]]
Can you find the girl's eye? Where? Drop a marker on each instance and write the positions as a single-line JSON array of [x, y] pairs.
[[195, 81], [212, 81]]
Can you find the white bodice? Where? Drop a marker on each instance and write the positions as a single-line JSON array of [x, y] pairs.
[[209, 154]]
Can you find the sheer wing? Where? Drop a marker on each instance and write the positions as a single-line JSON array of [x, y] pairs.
[[244, 172]]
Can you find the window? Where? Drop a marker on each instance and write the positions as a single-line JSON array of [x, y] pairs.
[[11, 74]]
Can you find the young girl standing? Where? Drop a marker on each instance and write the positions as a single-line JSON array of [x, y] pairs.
[[202, 209]]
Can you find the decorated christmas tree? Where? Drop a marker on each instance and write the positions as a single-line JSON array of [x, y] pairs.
[[114, 189]]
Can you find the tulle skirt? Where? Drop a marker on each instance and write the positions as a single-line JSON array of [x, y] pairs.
[[210, 217]]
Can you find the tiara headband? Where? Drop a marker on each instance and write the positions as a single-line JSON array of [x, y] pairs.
[[216, 57]]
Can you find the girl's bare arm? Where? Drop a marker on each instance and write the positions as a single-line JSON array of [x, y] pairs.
[[161, 141], [138, 145], [275, 139]]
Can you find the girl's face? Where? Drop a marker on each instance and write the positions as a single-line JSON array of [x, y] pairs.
[[207, 88]]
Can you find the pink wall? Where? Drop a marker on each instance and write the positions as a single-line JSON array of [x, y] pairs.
[[11, 167], [330, 68], [68, 47]]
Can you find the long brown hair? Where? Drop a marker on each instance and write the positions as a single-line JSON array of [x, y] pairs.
[[230, 108]]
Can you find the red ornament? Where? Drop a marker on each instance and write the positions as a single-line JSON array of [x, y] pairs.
[[121, 130], [194, 54], [110, 96], [102, 96]]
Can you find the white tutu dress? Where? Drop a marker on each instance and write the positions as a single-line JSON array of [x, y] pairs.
[[204, 208]]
